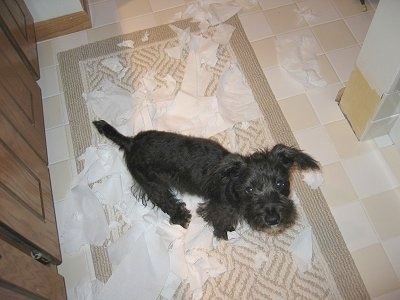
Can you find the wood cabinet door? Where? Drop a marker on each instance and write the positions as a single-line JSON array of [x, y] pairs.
[[27, 218], [26, 204], [21, 277], [17, 22]]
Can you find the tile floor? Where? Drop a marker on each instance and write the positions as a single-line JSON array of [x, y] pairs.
[[362, 179]]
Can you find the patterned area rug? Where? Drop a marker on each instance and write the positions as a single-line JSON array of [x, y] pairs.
[[333, 274]]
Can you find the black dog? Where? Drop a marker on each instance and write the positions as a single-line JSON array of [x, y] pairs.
[[252, 188]]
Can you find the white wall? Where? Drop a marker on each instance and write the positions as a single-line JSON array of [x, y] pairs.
[[379, 58], [379, 62], [47, 9]]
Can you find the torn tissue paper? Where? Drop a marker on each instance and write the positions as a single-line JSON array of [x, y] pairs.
[[126, 43], [223, 33], [298, 56], [111, 103], [313, 178], [235, 98], [86, 223], [301, 249], [210, 13]]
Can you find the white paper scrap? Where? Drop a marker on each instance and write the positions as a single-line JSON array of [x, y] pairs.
[[260, 259], [113, 64], [235, 98], [142, 273], [126, 43], [307, 13], [87, 224], [298, 56], [301, 249], [111, 103], [145, 37], [313, 178], [223, 33]]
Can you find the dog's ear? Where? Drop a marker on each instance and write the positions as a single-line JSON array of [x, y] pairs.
[[291, 157], [230, 167]]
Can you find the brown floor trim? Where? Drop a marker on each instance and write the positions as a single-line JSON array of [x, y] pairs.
[[64, 25]]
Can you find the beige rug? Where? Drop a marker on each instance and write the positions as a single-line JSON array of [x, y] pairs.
[[333, 274]]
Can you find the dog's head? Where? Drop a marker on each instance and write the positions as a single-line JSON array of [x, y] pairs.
[[259, 184]]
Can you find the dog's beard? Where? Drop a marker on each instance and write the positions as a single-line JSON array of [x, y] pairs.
[[260, 219]]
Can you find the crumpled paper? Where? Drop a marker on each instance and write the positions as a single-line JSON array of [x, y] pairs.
[[111, 103], [301, 249], [126, 43], [223, 33], [183, 39], [235, 98], [210, 13], [298, 56], [313, 178]]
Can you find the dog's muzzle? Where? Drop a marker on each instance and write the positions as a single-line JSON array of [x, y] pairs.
[[272, 217]]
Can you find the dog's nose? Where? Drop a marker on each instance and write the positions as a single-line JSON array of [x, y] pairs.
[[272, 219]]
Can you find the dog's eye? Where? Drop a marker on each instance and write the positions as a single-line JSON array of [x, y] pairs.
[[280, 184], [249, 190]]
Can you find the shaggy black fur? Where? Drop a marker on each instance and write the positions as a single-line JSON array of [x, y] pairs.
[[253, 188]]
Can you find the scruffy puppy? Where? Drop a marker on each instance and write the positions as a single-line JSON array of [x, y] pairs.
[[235, 188]]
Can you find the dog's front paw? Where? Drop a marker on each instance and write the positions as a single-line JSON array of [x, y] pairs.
[[182, 217], [221, 234]]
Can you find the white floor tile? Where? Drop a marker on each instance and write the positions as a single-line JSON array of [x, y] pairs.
[[316, 142], [318, 11], [48, 82], [157, 5], [355, 226], [139, 23], [267, 4], [343, 61], [54, 111], [69, 41], [359, 25], [282, 84], [369, 174], [103, 13], [61, 179], [395, 295], [256, 26], [57, 145], [323, 101], [392, 249]]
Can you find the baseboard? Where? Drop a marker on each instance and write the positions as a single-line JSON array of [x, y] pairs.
[[64, 25]]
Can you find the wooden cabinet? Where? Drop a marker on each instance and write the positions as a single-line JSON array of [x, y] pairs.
[[27, 219]]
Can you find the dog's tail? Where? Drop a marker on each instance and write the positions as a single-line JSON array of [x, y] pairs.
[[112, 134]]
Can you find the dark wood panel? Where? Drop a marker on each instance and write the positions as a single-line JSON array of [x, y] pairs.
[[27, 219], [32, 219], [20, 98], [7, 292], [18, 24], [20, 181], [21, 275]]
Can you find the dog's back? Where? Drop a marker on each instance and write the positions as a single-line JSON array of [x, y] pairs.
[[185, 160]]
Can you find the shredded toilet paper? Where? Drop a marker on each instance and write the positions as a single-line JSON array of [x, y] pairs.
[[298, 56]]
